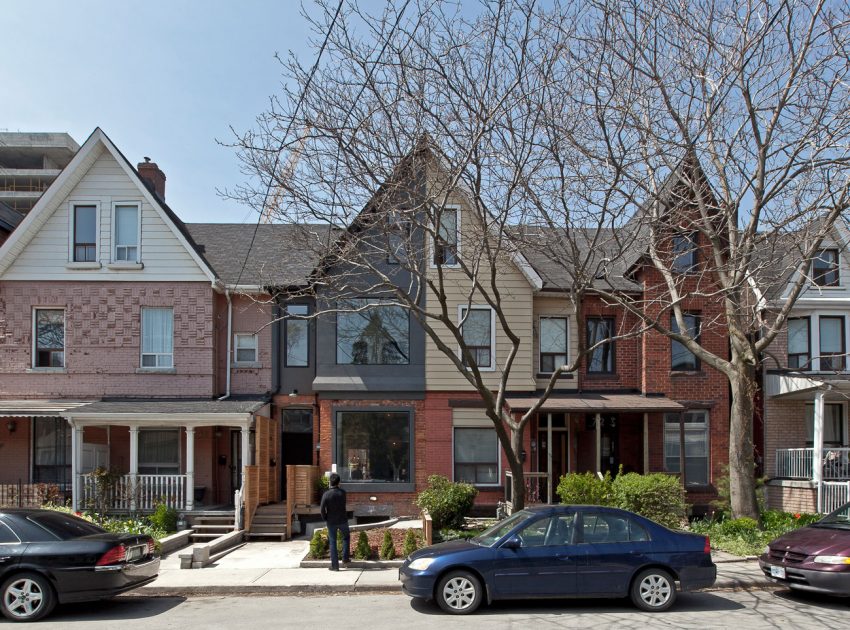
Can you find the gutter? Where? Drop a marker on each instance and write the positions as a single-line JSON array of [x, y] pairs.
[[229, 342]]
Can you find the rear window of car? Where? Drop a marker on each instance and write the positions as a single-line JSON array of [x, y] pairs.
[[7, 535], [64, 526]]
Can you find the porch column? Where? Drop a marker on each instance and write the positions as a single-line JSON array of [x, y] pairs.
[[817, 451], [134, 465], [190, 468], [549, 480], [76, 464], [246, 450], [598, 443], [645, 443]]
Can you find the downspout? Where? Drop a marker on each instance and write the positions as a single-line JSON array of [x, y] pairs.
[[229, 342]]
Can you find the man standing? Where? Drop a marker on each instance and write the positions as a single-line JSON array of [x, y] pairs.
[[334, 514]]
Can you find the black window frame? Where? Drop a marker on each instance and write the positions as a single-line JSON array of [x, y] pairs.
[[794, 361], [552, 355], [609, 347], [685, 260], [371, 484], [827, 273], [299, 317], [59, 472], [50, 353], [89, 249], [444, 247], [832, 361], [674, 327], [342, 309]]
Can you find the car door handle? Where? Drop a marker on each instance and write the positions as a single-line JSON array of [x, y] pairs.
[[5, 559]]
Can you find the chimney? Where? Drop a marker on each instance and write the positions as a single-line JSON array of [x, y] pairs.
[[153, 177]]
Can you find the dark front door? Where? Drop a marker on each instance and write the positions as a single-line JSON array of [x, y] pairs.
[[235, 461], [296, 442], [610, 454]]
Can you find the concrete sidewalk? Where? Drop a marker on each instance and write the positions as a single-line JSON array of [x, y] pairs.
[[275, 568]]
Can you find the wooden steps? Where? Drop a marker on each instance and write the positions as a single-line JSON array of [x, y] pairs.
[[269, 522]]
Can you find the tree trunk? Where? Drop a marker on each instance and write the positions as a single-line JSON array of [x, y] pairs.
[[742, 482], [515, 462]]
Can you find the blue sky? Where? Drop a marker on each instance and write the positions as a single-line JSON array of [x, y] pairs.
[[162, 79]]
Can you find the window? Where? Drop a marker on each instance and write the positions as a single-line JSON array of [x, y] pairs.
[[445, 247], [553, 343], [684, 252], [126, 233], [682, 359], [601, 359], [246, 348], [297, 421], [51, 456], [477, 329], [49, 337], [610, 528], [85, 233], [159, 452], [799, 342], [372, 335], [374, 446], [832, 344], [825, 268], [833, 425], [476, 456], [696, 445], [296, 336], [157, 337]]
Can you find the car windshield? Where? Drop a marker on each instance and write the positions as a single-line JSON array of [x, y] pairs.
[[840, 519], [489, 536], [64, 526]]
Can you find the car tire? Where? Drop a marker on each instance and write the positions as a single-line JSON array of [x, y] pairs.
[[459, 593], [653, 590], [27, 597]]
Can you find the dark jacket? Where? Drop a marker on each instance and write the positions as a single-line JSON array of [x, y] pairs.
[[333, 507]]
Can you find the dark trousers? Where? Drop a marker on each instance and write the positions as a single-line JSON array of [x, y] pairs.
[[342, 530]]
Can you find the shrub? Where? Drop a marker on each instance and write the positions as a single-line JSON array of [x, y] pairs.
[[362, 551], [585, 489], [411, 543], [656, 496], [318, 544], [744, 527], [447, 502], [164, 518], [387, 547]]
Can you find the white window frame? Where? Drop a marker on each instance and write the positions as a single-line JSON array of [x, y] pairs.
[[708, 458], [155, 354], [256, 338], [34, 345], [540, 319], [72, 213], [814, 336], [113, 232], [433, 253], [489, 426], [142, 464], [480, 307]]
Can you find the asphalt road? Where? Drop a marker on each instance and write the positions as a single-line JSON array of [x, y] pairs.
[[740, 610]]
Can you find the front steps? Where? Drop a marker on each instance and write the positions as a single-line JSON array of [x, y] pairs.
[[269, 522], [208, 527]]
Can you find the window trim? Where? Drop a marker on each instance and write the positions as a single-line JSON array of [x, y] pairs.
[[540, 352], [34, 359], [698, 324], [178, 432], [433, 257], [836, 269], [612, 344], [255, 362], [480, 307], [113, 233], [142, 353], [72, 228], [348, 312], [808, 364], [496, 484], [845, 438], [842, 354], [707, 414], [286, 320], [693, 239]]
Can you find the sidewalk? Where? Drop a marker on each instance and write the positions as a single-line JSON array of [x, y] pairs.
[[275, 568]]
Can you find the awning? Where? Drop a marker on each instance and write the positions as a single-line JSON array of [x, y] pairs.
[[599, 403], [802, 386], [26, 408], [162, 412]]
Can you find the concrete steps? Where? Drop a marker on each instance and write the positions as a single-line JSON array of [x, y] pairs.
[[210, 527]]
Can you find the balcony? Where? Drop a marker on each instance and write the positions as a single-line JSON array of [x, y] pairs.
[[797, 463], [132, 493]]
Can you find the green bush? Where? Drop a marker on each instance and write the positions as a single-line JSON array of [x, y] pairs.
[[387, 547], [411, 543], [656, 496], [318, 544], [743, 527], [585, 489], [362, 551], [745, 536], [164, 518], [447, 502]]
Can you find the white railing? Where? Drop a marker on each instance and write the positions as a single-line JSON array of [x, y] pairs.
[[797, 463], [536, 484], [129, 494], [835, 494]]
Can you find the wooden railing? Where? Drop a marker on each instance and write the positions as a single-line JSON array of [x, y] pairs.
[[798, 463], [129, 493]]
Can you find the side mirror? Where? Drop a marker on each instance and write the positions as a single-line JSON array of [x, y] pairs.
[[512, 543]]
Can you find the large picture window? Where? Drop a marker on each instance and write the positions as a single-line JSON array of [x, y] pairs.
[[296, 334], [49, 333], [682, 359], [159, 452], [799, 343], [51, 444], [696, 446], [601, 359], [476, 456], [553, 343], [157, 337], [372, 335], [832, 344], [374, 446], [477, 332]]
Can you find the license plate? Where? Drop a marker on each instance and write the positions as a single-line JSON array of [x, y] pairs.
[[134, 553], [777, 572]]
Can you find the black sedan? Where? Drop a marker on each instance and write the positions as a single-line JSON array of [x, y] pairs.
[[558, 552], [815, 558], [49, 557]]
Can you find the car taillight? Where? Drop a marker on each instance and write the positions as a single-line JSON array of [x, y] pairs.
[[151, 546], [707, 548], [116, 555]]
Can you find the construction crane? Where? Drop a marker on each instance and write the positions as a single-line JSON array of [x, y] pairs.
[[285, 173]]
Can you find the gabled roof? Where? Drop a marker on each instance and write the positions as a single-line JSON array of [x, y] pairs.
[[71, 175]]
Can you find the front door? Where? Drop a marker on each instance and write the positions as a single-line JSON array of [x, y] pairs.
[[235, 460], [552, 441], [610, 444], [296, 442]]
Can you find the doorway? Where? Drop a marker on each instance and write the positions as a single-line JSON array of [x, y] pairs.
[[610, 445], [296, 441], [235, 460], [552, 453]]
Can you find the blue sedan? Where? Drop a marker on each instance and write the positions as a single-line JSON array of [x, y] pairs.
[[562, 551]]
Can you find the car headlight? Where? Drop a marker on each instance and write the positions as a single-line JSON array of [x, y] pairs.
[[832, 559], [766, 550], [420, 564]]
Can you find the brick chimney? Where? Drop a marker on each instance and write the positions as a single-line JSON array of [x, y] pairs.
[[153, 177]]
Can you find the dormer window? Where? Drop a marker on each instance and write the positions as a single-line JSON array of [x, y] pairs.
[[825, 268], [85, 233]]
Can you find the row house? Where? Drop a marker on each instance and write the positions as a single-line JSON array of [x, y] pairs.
[[807, 387]]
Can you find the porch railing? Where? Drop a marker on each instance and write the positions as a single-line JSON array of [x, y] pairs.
[[797, 463], [129, 493], [536, 484], [835, 494]]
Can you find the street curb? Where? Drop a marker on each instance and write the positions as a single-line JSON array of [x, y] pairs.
[[293, 589]]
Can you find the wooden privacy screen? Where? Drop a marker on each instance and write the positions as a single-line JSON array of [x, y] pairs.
[[261, 484], [301, 489]]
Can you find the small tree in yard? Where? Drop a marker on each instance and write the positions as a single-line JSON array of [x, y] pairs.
[[447, 502], [362, 551], [411, 543], [387, 547]]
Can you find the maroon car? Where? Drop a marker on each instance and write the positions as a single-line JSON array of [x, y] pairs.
[[815, 558]]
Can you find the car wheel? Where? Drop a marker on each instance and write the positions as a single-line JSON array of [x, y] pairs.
[[653, 590], [27, 597], [459, 593]]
